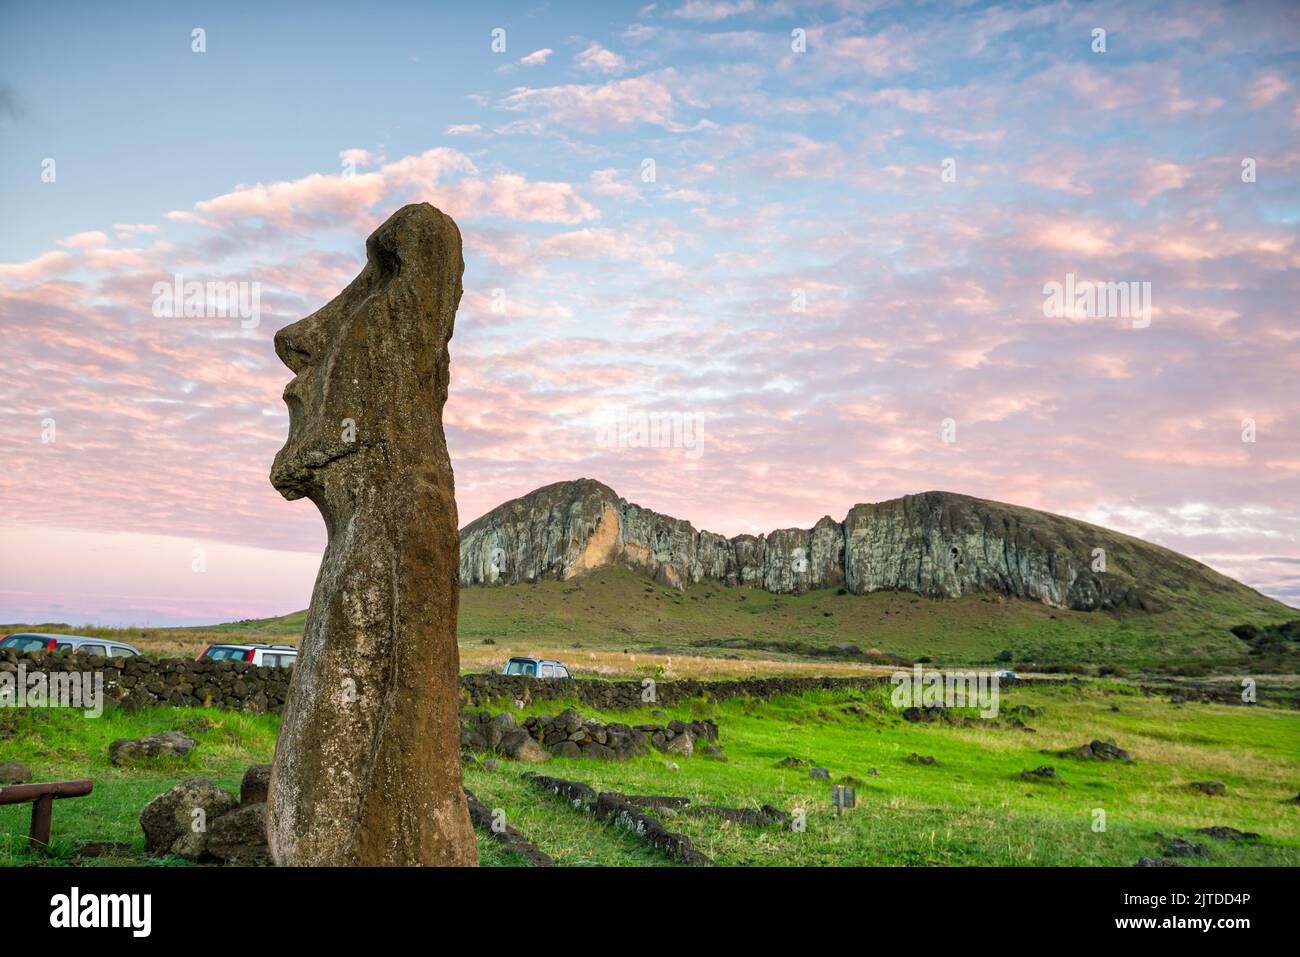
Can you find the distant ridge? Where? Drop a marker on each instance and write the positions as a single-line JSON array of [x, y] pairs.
[[939, 544]]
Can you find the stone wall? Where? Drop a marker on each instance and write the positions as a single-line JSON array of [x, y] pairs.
[[477, 690], [143, 682]]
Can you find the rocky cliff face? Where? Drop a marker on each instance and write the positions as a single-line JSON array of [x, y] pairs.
[[938, 544]]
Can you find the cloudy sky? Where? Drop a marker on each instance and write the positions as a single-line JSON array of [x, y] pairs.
[[812, 233]]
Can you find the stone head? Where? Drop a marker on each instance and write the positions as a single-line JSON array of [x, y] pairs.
[[371, 366]]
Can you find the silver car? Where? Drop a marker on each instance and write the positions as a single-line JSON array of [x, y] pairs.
[[69, 644]]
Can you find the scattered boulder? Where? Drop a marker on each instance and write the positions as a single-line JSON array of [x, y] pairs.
[[1046, 774], [1158, 862], [1096, 750], [1210, 788], [792, 762], [680, 744], [714, 752], [570, 735], [518, 745], [125, 752], [820, 774], [599, 752], [1024, 711], [14, 772], [915, 758], [1181, 847], [256, 783], [1222, 833], [926, 715], [170, 820], [239, 837], [497, 728]]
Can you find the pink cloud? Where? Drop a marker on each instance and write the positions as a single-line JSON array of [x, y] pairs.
[[1268, 87], [35, 270], [711, 11], [597, 59], [617, 103], [85, 240], [446, 176]]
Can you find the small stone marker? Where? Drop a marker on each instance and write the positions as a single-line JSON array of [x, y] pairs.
[[843, 797]]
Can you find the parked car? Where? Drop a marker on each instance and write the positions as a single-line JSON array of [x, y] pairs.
[[272, 656], [1004, 674], [33, 641], [536, 668]]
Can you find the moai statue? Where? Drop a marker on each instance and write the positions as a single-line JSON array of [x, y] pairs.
[[367, 766]]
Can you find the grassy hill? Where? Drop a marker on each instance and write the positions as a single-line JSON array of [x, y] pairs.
[[614, 621]]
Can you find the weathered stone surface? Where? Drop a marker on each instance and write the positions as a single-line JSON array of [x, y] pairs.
[[1181, 847], [680, 744], [257, 781], [168, 744], [1045, 774], [1222, 833], [367, 768], [1096, 750], [939, 544], [519, 746], [171, 823], [239, 837], [570, 735]]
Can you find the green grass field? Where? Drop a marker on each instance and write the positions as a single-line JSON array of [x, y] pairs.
[[968, 808]]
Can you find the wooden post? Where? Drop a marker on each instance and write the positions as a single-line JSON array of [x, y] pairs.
[[42, 796], [39, 835]]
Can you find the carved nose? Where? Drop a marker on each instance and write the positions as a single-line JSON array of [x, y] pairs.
[[292, 348]]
